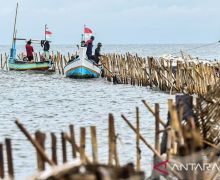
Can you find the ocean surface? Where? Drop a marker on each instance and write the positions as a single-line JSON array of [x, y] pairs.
[[50, 102]]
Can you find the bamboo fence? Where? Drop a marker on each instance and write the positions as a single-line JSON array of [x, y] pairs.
[[182, 75], [190, 136]]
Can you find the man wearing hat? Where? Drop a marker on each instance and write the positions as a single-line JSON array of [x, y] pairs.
[[89, 46], [97, 53]]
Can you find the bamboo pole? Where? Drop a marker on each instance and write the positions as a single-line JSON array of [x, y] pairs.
[[94, 144], [34, 143], [40, 138], [54, 147], [64, 155], [82, 144], [153, 112], [77, 149], [9, 157], [138, 150], [112, 142], [72, 136], [1, 61], [157, 128], [61, 65], [2, 169], [141, 137]]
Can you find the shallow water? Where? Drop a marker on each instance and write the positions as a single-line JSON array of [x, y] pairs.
[[50, 102]]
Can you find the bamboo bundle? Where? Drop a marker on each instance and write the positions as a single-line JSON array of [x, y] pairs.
[[208, 109]]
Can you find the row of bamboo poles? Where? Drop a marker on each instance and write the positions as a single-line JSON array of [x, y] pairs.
[[166, 74], [185, 75], [184, 143]]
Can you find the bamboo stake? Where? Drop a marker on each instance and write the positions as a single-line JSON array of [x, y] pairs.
[[82, 144], [9, 157], [54, 147], [1, 61], [2, 169], [153, 112], [110, 139], [94, 144], [149, 146], [40, 138], [63, 147], [138, 150], [157, 128], [72, 135], [34, 143], [77, 148], [112, 142]]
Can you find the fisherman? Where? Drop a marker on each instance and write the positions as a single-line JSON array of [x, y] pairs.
[[97, 53], [89, 46], [46, 47], [83, 43], [29, 50]]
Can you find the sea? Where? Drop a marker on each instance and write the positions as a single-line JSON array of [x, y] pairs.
[[49, 102]]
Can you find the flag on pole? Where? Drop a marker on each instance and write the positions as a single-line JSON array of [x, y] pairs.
[[48, 33], [87, 30], [87, 33]]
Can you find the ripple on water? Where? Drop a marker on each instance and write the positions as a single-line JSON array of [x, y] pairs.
[[50, 103]]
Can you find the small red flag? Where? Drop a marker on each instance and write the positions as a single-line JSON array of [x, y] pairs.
[[87, 30], [48, 33]]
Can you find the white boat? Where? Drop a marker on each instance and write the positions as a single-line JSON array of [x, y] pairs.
[[82, 67]]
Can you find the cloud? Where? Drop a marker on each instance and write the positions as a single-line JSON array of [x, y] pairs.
[[115, 21]]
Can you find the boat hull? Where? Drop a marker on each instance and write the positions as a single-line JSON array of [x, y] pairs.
[[40, 66], [82, 67], [81, 72]]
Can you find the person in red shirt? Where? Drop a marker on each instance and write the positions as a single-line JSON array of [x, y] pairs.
[[29, 50], [89, 46]]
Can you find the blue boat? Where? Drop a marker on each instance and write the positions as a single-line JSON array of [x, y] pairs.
[[82, 67], [15, 64]]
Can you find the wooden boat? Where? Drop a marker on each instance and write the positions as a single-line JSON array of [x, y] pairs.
[[15, 64], [82, 67]]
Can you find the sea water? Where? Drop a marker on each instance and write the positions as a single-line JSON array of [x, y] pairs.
[[51, 102]]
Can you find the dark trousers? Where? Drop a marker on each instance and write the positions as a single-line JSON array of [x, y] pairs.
[[30, 58]]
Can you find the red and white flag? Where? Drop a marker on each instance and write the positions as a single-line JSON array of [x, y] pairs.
[[48, 33], [87, 30], [87, 33]]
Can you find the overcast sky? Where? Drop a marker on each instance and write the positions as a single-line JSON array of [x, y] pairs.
[[114, 21]]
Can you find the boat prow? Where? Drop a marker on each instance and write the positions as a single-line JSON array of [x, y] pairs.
[[82, 67]]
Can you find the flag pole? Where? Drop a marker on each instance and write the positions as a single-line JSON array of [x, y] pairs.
[[84, 32], [45, 29]]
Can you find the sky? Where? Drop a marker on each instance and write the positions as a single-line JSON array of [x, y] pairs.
[[114, 21]]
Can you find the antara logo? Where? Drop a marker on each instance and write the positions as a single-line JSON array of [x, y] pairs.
[[161, 167]]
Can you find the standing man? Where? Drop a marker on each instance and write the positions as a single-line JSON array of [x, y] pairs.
[[46, 47], [97, 53], [29, 50], [89, 46]]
